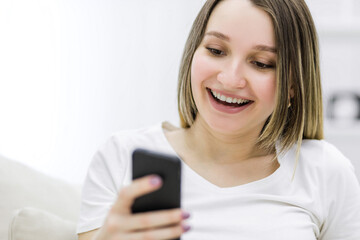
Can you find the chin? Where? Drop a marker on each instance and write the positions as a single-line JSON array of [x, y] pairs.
[[226, 127]]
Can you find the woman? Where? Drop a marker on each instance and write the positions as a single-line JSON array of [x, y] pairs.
[[251, 114]]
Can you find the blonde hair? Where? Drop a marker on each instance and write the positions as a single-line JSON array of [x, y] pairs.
[[297, 68]]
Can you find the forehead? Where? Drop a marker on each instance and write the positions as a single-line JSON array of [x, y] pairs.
[[241, 20]]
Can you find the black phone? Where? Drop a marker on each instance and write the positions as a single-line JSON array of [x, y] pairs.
[[168, 167]]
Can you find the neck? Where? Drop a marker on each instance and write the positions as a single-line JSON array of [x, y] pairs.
[[221, 147]]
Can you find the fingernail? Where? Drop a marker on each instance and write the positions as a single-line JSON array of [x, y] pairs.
[[155, 181], [185, 215], [186, 228]]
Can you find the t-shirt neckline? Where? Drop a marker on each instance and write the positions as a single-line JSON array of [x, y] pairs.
[[198, 179]]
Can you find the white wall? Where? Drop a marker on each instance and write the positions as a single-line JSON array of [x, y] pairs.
[[74, 71]]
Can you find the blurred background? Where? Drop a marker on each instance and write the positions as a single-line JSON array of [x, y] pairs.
[[72, 72]]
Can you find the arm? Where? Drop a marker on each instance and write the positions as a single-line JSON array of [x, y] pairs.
[[342, 199]]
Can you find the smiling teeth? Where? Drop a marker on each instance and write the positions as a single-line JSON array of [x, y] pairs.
[[228, 99]]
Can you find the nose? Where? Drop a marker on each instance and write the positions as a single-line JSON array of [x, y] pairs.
[[232, 75]]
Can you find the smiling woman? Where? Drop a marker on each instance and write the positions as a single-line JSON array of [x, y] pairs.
[[254, 162]]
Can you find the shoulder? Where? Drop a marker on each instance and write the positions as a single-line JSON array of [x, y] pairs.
[[320, 153], [318, 162], [129, 139], [118, 148], [331, 176], [113, 157]]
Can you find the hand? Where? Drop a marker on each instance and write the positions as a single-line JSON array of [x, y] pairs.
[[121, 224]]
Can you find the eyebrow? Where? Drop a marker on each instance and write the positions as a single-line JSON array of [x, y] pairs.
[[227, 38], [218, 35], [265, 48]]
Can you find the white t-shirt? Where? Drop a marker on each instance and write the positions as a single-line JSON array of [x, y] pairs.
[[322, 202]]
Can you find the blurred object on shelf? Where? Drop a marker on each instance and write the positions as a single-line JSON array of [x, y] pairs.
[[342, 123], [344, 107]]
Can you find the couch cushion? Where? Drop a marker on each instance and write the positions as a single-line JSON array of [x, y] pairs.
[[36, 224], [21, 186]]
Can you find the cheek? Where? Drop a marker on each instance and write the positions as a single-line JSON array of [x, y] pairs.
[[273, 89], [264, 87], [201, 68], [269, 91]]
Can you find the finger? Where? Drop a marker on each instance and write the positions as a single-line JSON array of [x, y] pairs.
[[136, 189], [171, 232], [155, 219]]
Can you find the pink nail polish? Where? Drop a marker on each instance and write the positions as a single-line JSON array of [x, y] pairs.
[[186, 228], [185, 215], [155, 181]]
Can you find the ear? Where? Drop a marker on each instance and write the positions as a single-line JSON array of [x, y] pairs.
[[291, 93]]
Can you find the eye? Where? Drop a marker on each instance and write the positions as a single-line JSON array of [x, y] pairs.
[[262, 65], [215, 52]]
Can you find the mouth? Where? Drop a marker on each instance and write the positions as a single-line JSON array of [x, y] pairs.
[[228, 101]]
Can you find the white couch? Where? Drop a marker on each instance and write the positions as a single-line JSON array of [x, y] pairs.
[[34, 206]]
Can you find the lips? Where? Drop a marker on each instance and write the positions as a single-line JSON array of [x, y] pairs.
[[227, 100]]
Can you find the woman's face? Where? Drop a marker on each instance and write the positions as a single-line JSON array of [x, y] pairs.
[[233, 69]]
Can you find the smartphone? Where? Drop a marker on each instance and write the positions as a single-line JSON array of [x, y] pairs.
[[168, 167]]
